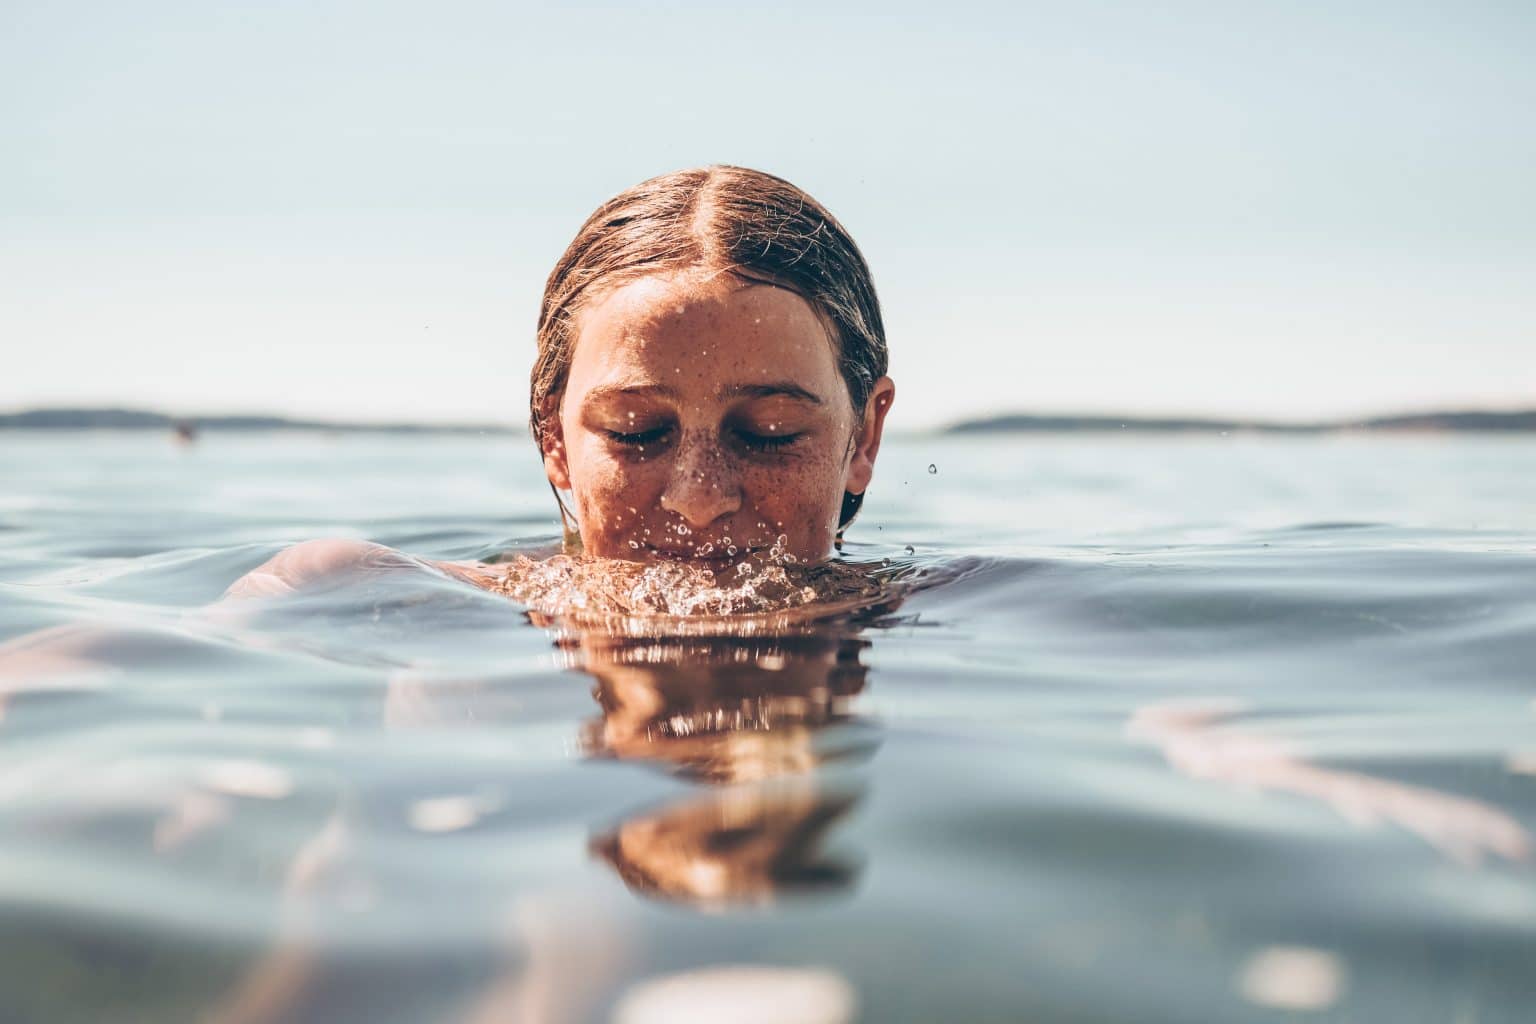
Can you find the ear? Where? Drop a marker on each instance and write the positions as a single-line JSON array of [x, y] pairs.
[[555, 465], [866, 440]]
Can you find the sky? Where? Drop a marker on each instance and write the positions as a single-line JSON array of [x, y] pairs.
[[348, 210]]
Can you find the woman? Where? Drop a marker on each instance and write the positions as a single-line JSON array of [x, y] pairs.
[[710, 386]]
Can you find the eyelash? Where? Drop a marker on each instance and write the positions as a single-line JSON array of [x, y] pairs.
[[748, 439], [635, 440], [766, 442]]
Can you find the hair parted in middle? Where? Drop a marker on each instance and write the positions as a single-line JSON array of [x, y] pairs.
[[719, 219]]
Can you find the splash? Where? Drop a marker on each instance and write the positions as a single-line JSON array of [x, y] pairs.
[[764, 589]]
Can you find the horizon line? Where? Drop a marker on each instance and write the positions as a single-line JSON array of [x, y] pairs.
[[117, 417]]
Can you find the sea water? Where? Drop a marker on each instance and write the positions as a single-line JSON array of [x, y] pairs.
[[1197, 728]]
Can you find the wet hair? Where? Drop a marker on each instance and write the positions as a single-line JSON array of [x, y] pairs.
[[720, 220]]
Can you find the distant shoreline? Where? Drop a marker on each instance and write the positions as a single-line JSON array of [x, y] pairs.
[[138, 419], [1426, 422], [1018, 423]]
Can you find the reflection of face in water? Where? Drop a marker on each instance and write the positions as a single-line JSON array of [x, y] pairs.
[[758, 715]]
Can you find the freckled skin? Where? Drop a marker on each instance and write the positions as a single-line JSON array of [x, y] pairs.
[[702, 413]]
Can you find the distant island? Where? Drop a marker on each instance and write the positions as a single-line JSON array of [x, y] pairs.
[[138, 419], [1426, 422]]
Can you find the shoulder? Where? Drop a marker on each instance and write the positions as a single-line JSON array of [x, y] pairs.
[[313, 562]]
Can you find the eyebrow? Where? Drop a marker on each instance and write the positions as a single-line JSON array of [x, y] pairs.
[[638, 390], [784, 388]]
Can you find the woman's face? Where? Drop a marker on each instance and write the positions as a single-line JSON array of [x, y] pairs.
[[702, 415]]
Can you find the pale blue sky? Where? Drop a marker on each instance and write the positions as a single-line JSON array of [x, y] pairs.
[[348, 209]]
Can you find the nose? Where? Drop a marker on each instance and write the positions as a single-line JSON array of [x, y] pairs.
[[704, 485]]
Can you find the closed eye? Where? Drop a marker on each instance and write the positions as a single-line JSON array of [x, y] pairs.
[[765, 442], [634, 440]]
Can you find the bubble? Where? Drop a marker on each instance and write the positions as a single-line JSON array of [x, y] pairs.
[[932, 468], [634, 545]]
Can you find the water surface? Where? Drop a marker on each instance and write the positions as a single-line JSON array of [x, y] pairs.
[[1178, 729]]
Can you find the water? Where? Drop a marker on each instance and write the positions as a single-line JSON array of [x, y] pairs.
[[1179, 729]]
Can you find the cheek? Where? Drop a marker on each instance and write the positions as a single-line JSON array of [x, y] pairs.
[[800, 499], [613, 495]]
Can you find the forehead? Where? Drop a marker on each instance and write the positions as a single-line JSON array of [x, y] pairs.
[[694, 334]]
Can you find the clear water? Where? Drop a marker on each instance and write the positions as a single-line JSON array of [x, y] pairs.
[[1185, 729]]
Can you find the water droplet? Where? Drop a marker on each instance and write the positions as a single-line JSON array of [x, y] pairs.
[[932, 468]]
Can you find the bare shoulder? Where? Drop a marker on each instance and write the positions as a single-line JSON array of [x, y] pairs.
[[314, 562], [339, 560]]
